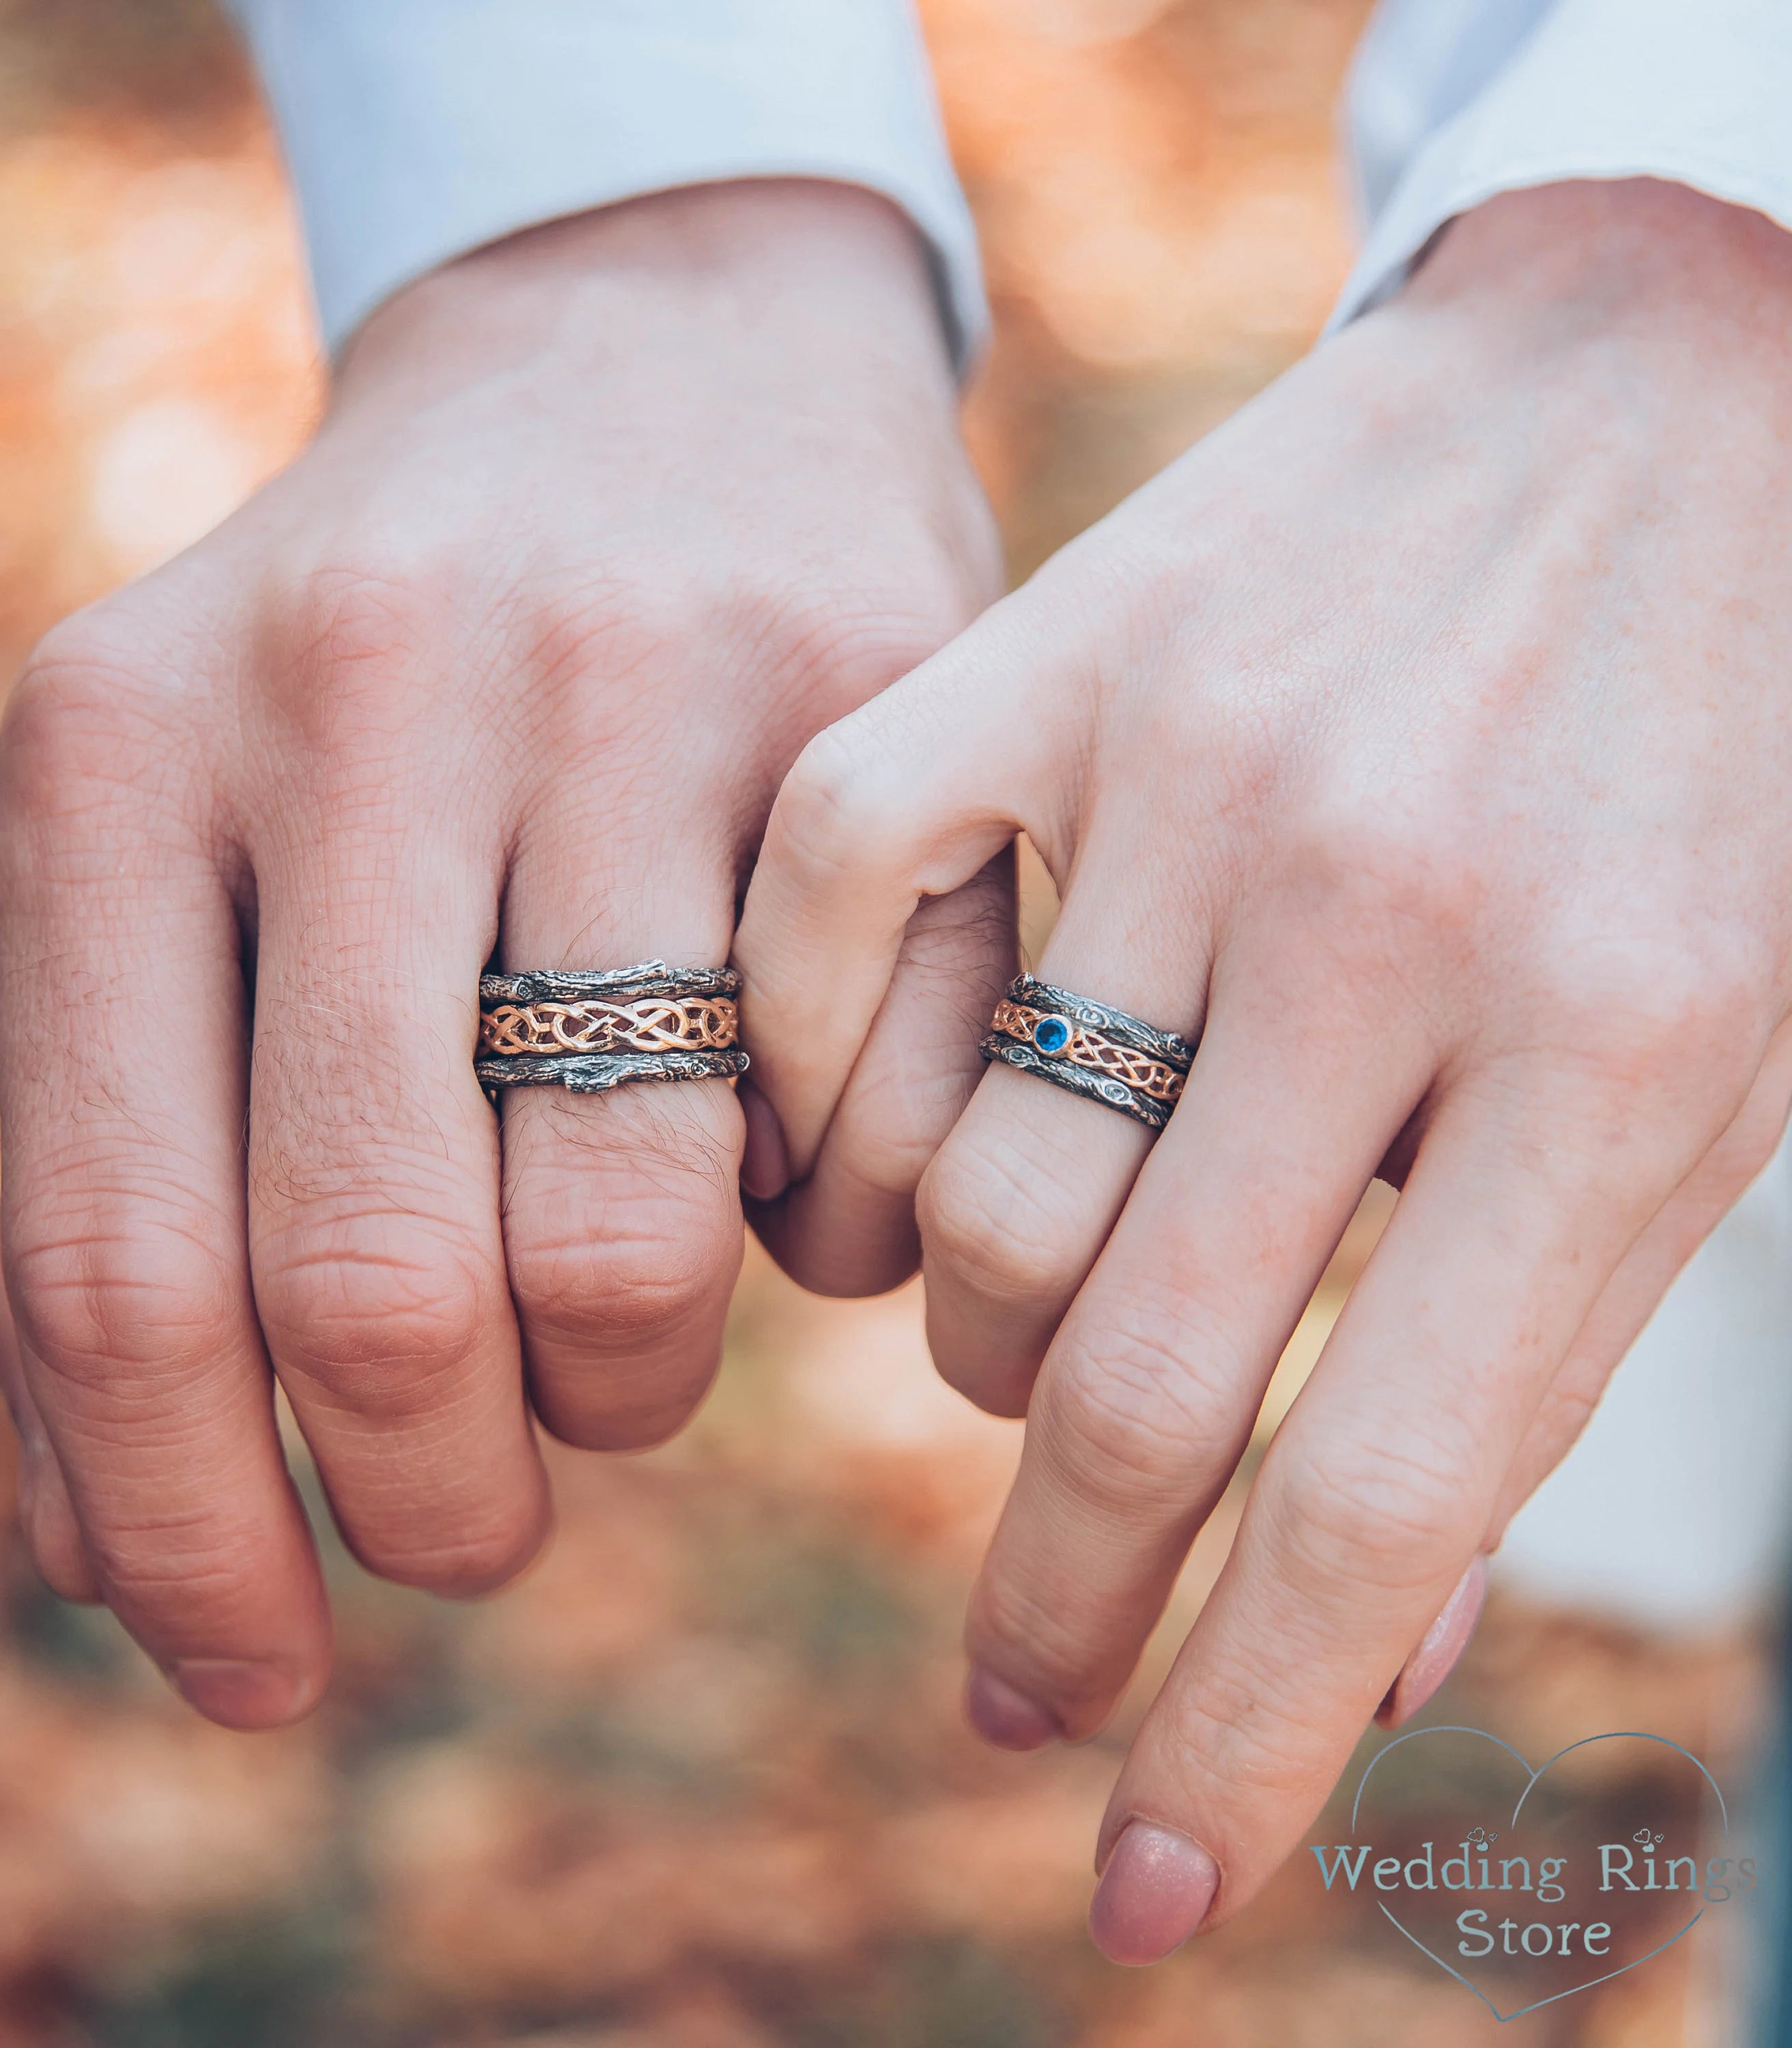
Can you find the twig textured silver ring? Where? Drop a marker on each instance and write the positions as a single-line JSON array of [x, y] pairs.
[[589, 1033], [1092, 1049]]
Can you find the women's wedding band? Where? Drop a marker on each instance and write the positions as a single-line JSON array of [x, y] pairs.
[[1090, 1048], [592, 1032]]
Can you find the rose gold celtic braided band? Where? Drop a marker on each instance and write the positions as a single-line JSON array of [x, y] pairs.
[[1090, 1048], [656, 1024], [1086, 1048], [591, 1032]]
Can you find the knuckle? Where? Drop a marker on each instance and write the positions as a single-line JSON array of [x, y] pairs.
[[1665, 1012], [1376, 1513], [491, 1543], [82, 659], [201, 1570], [357, 643], [1010, 1235], [385, 1328], [1039, 1623], [622, 1329], [1261, 1736], [851, 648], [1375, 880], [1653, 1044], [615, 1253], [639, 1292], [100, 1298], [840, 807], [72, 716], [791, 614], [370, 613], [1147, 1413]]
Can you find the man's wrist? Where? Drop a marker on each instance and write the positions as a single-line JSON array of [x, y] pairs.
[[813, 255]]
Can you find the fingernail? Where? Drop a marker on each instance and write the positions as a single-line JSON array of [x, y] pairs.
[[240, 1693], [1154, 1894], [1005, 1718], [765, 1165], [1443, 1642]]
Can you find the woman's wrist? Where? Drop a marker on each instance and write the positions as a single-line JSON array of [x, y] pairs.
[[1637, 258]]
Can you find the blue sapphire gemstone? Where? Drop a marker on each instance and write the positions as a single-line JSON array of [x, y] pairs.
[[1051, 1035]]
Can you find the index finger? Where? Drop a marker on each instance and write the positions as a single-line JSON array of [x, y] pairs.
[[908, 798]]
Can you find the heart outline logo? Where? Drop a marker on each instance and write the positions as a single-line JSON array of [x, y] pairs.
[[1531, 1779]]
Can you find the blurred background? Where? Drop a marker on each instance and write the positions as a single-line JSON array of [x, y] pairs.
[[700, 1781]]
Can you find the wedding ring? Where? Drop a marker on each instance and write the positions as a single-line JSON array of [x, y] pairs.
[[1090, 1048], [592, 1032]]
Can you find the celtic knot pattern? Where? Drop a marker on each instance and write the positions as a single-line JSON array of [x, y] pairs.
[[654, 1024], [1090, 1048], [1086, 1048], [589, 1031]]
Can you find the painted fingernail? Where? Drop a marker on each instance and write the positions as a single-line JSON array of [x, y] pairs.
[[1004, 1717], [1443, 1642], [765, 1165], [239, 1692], [1154, 1894]]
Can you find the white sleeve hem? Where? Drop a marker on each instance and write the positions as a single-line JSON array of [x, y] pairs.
[[417, 130], [1456, 101], [353, 293], [1401, 236]]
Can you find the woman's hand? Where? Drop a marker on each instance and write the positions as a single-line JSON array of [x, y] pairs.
[[1424, 738], [604, 524]]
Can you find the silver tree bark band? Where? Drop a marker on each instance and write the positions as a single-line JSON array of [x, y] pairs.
[[1090, 1048], [589, 1032]]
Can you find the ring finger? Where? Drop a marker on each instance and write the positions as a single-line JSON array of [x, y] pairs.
[[622, 1219], [1024, 1192]]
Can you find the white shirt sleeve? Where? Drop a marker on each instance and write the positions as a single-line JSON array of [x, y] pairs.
[[418, 130], [1451, 101]]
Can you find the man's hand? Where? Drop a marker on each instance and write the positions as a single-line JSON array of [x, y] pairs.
[[603, 524], [1426, 734]]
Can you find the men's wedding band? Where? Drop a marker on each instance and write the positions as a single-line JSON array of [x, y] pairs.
[[592, 1032], [1090, 1048]]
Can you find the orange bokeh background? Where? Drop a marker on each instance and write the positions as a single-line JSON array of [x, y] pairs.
[[699, 1781]]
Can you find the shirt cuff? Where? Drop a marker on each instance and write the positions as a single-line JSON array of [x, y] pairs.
[[1694, 94], [416, 130]]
